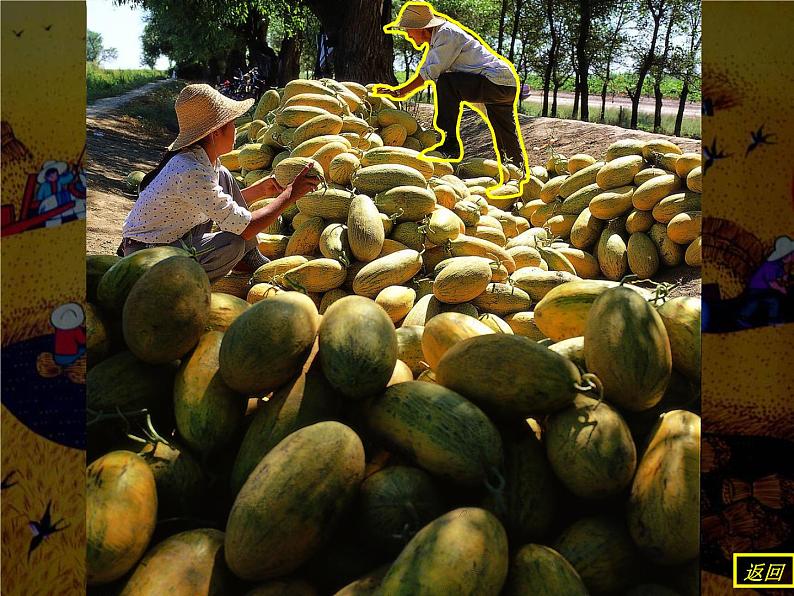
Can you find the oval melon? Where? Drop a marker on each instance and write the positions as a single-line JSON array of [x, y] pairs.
[[628, 349], [463, 552], [186, 564], [117, 281], [268, 343], [304, 401], [408, 418], [601, 551], [681, 318], [208, 413], [664, 507], [293, 500], [590, 449], [167, 310], [121, 510], [358, 347], [542, 571], [394, 504], [484, 370]]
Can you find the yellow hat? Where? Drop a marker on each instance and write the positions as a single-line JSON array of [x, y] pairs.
[[415, 15], [200, 110]]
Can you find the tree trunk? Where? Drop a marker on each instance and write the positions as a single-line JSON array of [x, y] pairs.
[[362, 52], [554, 100], [657, 112], [575, 108], [679, 118], [645, 65], [551, 60], [661, 68], [502, 19], [516, 20], [582, 57], [289, 59]]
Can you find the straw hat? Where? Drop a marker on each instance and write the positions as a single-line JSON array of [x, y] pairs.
[[59, 166], [784, 246], [200, 110], [67, 316], [415, 15]]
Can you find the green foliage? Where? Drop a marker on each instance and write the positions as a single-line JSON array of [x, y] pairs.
[[107, 83], [95, 51]]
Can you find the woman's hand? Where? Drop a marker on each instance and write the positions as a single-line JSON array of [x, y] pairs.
[[264, 188], [302, 184]]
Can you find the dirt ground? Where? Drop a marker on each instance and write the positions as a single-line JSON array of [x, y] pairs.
[[118, 144]]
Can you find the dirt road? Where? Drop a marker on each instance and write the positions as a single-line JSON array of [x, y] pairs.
[[106, 105]]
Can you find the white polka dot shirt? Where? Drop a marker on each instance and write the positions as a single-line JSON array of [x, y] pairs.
[[185, 193]]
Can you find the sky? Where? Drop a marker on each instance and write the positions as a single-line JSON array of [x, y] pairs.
[[121, 28]]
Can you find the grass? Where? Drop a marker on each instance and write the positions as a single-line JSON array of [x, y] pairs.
[[157, 108], [107, 83], [690, 126]]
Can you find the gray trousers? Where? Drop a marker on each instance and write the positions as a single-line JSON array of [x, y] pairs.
[[220, 251]]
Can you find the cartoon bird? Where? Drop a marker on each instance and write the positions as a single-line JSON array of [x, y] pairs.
[[48, 27], [18, 33], [42, 529], [712, 155], [759, 138]]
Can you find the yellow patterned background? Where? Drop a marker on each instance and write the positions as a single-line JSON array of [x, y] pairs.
[[43, 86]]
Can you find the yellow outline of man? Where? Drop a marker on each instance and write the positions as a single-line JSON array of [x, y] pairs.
[[413, 23]]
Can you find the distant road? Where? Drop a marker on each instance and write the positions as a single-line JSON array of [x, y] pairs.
[[102, 107], [647, 104]]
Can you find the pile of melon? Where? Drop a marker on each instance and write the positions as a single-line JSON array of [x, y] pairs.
[[503, 441], [634, 212]]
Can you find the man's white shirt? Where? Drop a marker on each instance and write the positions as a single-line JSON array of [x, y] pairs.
[[454, 50]]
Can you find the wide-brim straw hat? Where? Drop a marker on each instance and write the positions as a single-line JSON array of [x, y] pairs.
[[50, 165], [784, 246], [415, 15], [201, 110], [67, 316]]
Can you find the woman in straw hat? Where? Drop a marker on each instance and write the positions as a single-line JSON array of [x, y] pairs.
[[767, 289], [189, 189], [463, 68]]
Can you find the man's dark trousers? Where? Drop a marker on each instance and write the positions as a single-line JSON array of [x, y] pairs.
[[452, 88]]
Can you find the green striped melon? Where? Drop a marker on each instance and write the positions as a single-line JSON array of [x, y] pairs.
[[371, 180], [542, 571], [483, 369], [619, 172], [642, 255], [582, 178], [628, 348]]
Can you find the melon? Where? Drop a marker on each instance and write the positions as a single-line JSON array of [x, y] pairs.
[[185, 564], [121, 511], [117, 281], [293, 500], [304, 401], [590, 449], [463, 552], [407, 418], [208, 413], [484, 370], [539, 570], [664, 507], [601, 551], [224, 309], [681, 318], [528, 504], [358, 347], [266, 345], [394, 504], [167, 310], [627, 347]]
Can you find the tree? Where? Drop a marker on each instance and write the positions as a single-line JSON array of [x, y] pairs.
[[655, 9], [660, 65], [687, 57], [95, 51], [610, 31]]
